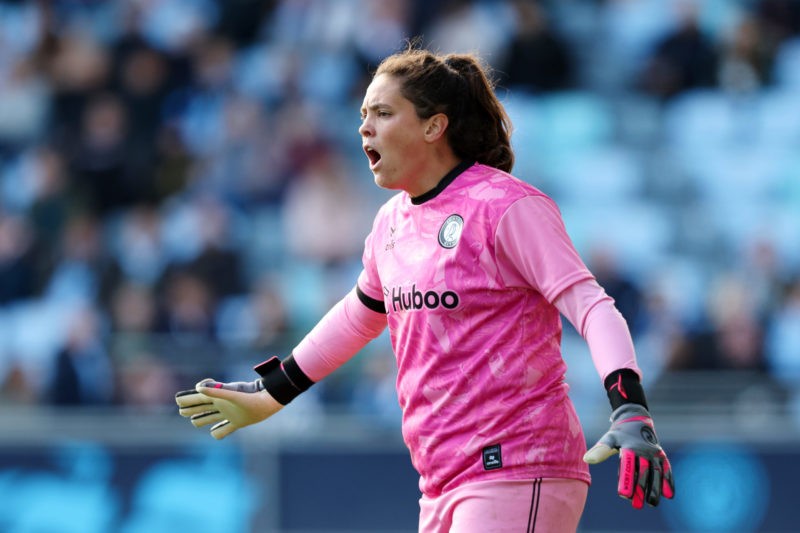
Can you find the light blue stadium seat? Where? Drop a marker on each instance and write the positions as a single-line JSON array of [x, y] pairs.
[[699, 119], [779, 116], [638, 232], [261, 71], [37, 330], [786, 68], [631, 28], [525, 115], [265, 246], [739, 176], [566, 120], [573, 120], [303, 288], [602, 174], [552, 129], [328, 76]]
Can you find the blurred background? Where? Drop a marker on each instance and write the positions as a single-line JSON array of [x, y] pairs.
[[183, 194]]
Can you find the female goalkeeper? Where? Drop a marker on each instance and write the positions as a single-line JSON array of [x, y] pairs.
[[470, 268]]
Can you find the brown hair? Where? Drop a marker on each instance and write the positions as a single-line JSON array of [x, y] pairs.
[[459, 86]]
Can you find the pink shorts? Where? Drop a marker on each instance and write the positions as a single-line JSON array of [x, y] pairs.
[[545, 505]]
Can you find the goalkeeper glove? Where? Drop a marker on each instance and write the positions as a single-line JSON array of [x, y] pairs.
[[644, 471], [230, 406]]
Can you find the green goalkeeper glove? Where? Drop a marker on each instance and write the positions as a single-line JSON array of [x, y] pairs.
[[229, 406], [644, 471]]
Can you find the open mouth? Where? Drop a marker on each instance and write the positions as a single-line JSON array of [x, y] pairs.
[[373, 155]]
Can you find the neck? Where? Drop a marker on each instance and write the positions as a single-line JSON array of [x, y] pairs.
[[443, 183], [432, 175]]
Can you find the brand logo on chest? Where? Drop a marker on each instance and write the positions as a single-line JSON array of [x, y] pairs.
[[413, 299], [390, 244]]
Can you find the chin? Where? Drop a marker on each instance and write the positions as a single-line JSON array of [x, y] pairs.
[[382, 182], [392, 181]]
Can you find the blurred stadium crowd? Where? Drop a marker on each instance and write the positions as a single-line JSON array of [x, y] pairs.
[[182, 188]]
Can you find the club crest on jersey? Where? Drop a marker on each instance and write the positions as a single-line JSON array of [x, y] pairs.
[[450, 231]]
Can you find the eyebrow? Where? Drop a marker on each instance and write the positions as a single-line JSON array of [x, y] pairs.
[[375, 107]]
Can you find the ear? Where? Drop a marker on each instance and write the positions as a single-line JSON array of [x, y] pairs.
[[436, 127]]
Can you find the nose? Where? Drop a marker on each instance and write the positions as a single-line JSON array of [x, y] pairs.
[[365, 130]]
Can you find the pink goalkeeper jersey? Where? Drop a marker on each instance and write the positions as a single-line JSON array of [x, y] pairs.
[[467, 274]]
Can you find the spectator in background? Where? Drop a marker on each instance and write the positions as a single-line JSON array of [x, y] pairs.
[[24, 96], [733, 337], [133, 36], [145, 377], [468, 26], [241, 21], [311, 25], [662, 335], [106, 170], [83, 269], [626, 293], [767, 274], [684, 59], [746, 58], [146, 382], [78, 68], [200, 240], [219, 262], [199, 110], [186, 309], [384, 28], [51, 203], [300, 134], [20, 263], [133, 312], [780, 20], [538, 58], [322, 211], [173, 165], [16, 386], [257, 321], [83, 373], [244, 166], [783, 337], [143, 84], [137, 246]]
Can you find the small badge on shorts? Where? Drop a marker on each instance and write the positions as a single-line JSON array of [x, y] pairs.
[[450, 231], [492, 460]]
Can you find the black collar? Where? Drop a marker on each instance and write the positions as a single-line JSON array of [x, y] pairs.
[[443, 183]]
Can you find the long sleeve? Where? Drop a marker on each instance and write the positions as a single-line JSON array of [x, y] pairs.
[[593, 314], [340, 334]]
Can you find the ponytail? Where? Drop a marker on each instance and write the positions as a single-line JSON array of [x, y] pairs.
[[482, 129]]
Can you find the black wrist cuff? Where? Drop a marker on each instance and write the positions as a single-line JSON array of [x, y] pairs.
[[283, 380], [623, 386]]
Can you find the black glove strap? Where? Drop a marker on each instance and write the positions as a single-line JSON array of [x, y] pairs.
[[623, 386], [283, 380]]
